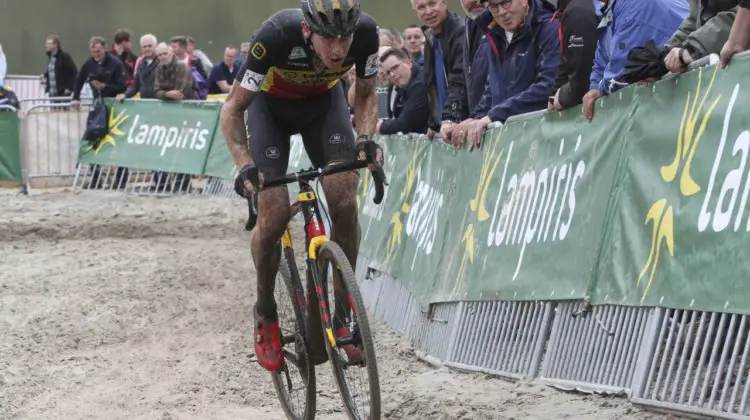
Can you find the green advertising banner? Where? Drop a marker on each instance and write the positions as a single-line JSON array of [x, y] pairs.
[[679, 236], [522, 218], [10, 154], [156, 135]]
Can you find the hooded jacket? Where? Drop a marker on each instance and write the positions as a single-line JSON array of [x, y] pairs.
[[522, 72], [627, 24], [451, 44]]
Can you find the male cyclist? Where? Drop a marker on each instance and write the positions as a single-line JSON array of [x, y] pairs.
[[290, 82]]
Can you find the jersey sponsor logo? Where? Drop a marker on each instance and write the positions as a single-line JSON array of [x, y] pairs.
[[373, 65], [309, 77], [258, 51], [252, 81], [337, 138], [297, 53]]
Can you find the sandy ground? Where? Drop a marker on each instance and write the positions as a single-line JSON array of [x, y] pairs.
[[115, 307]]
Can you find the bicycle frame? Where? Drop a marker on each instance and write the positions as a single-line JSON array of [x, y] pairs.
[[315, 237]]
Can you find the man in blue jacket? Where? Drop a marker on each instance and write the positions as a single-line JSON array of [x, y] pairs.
[[524, 55], [626, 24]]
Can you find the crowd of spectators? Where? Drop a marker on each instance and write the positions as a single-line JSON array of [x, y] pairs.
[[454, 74]]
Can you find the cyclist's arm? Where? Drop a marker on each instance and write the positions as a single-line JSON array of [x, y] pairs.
[[232, 120], [366, 67]]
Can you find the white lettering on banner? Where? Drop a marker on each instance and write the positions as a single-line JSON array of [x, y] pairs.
[[424, 214], [532, 203], [168, 137], [726, 207]]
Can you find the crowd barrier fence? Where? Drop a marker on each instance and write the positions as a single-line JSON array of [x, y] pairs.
[[583, 321]]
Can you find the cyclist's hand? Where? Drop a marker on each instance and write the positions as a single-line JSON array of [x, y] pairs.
[[371, 152], [246, 181]]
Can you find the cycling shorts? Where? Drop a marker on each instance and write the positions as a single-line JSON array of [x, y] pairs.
[[323, 121]]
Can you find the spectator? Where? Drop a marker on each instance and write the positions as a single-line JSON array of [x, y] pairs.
[[192, 51], [524, 55], [223, 72], [627, 24], [145, 72], [173, 78], [103, 71], [60, 77], [476, 53], [382, 90], [739, 36], [414, 43], [443, 65], [578, 22], [3, 67], [179, 50], [123, 49], [390, 38], [106, 74], [410, 111], [244, 51], [174, 82], [703, 32]]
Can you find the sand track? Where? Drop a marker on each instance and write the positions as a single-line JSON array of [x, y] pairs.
[[115, 307]]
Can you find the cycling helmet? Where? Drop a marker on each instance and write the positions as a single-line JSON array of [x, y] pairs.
[[331, 18]]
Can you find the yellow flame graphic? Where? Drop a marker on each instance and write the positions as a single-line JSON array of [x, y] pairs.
[[490, 163], [396, 224], [662, 218], [688, 138], [115, 122], [661, 215]]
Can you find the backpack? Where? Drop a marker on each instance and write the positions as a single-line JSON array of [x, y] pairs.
[[97, 122], [199, 84], [8, 98]]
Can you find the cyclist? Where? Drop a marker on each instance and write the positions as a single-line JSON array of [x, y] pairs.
[[289, 84]]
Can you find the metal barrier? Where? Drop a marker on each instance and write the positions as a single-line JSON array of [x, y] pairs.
[[30, 87], [134, 181], [51, 135], [699, 364]]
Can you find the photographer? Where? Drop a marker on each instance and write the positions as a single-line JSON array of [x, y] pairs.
[[103, 71]]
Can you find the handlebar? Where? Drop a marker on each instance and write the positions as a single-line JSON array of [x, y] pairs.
[[306, 175]]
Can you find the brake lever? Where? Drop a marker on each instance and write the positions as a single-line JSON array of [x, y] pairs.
[[252, 210]]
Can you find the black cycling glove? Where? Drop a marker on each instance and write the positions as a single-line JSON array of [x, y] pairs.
[[368, 150], [247, 173]]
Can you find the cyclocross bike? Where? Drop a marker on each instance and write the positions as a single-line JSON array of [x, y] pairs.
[[307, 320]]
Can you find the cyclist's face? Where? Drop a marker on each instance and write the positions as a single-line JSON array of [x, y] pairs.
[[332, 51]]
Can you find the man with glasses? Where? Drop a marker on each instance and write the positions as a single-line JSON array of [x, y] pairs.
[[410, 110], [524, 55]]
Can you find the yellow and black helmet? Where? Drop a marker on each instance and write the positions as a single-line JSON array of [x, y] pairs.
[[331, 18]]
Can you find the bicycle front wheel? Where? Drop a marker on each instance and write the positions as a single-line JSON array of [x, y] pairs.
[[347, 334], [295, 383]]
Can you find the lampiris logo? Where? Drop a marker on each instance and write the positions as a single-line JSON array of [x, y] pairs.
[[190, 136]]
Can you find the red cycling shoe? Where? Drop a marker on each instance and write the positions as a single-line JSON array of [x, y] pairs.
[[353, 352], [268, 343]]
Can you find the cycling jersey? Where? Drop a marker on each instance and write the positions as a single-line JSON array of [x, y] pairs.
[[280, 59]]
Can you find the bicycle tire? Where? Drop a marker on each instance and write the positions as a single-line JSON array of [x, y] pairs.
[[331, 252], [293, 285]]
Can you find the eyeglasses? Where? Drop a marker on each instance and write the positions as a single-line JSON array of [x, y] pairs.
[[496, 5]]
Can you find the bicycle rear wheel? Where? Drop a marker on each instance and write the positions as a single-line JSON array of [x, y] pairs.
[[295, 383], [361, 396]]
